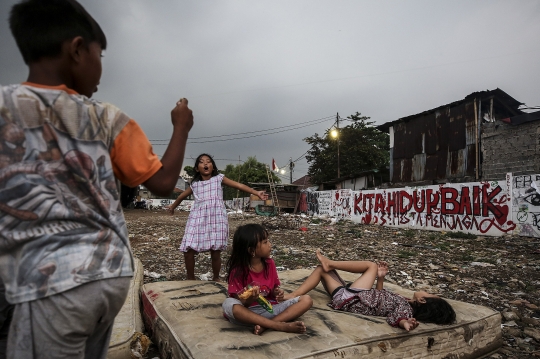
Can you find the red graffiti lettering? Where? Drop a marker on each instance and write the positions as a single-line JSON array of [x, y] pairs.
[[449, 200], [379, 203], [488, 206], [476, 200], [419, 205], [435, 222], [466, 222], [455, 222], [367, 219], [357, 200], [432, 201], [403, 219], [487, 223], [404, 208], [465, 203], [391, 203]]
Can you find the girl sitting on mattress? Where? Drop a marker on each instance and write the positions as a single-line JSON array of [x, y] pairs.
[[359, 297], [255, 297]]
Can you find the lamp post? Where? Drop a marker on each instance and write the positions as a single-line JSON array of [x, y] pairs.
[[335, 134], [291, 167]]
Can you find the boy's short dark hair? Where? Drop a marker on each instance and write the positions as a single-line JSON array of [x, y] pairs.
[[40, 27]]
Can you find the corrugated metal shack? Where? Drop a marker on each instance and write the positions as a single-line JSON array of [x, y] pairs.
[[442, 145], [287, 195]]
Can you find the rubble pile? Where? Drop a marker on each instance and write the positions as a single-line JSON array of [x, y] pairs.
[[498, 272]]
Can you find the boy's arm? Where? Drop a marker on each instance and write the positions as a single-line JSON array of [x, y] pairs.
[[242, 187], [164, 180]]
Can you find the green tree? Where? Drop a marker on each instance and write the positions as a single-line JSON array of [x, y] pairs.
[[249, 171], [190, 171], [362, 147]]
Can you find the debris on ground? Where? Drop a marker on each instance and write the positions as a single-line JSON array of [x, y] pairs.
[[501, 273]]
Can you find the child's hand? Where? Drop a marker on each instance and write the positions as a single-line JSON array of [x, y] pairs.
[[408, 324], [249, 294], [170, 209], [382, 269], [262, 195], [182, 116], [279, 294]]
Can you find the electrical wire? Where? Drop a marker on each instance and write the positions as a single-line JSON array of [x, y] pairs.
[[311, 122]]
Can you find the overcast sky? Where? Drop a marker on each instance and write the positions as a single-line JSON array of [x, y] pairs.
[[249, 66]]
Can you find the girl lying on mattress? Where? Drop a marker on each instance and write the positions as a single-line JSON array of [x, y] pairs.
[[359, 297]]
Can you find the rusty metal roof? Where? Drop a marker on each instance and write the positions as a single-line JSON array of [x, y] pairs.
[[509, 102], [527, 117]]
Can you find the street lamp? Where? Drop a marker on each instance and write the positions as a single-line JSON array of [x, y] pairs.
[[335, 134]]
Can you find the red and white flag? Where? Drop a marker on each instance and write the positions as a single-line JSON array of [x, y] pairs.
[[274, 166]]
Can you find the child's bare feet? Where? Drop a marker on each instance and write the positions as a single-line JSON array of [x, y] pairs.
[[258, 330], [293, 327], [408, 324], [382, 269], [325, 262]]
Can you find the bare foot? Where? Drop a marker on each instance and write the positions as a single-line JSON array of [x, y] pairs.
[[325, 262], [382, 269], [294, 327], [258, 330], [408, 324]]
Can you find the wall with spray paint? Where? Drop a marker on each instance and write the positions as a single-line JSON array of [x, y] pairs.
[[483, 208], [526, 205], [240, 203]]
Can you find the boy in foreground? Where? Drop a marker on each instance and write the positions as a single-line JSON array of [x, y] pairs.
[[65, 257]]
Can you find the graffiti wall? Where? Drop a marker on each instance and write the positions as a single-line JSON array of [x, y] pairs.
[[483, 208], [237, 203], [526, 204], [324, 203], [340, 205]]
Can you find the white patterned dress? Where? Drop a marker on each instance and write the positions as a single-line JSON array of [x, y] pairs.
[[207, 227]]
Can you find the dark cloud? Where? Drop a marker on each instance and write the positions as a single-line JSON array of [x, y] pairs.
[[247, 66]]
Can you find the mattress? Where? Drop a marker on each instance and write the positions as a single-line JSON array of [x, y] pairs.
[[185, 320], [128, 324]]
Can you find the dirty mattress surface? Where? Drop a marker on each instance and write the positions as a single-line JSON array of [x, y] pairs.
[[186, 321], [128, 322]]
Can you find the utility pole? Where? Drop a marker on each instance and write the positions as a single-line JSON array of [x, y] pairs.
[[237, 190], [291, 166], [339, 134]]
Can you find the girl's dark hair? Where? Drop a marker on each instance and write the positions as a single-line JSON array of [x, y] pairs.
[[245, 239], [197, 176], [434, 310], [40, 27]]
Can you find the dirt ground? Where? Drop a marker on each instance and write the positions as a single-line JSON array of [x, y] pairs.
[[501, 273]]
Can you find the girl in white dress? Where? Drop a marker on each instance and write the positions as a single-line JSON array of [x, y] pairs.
[[207, 228]]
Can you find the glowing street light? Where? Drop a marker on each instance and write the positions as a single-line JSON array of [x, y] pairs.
[[335, 134]]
